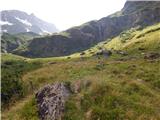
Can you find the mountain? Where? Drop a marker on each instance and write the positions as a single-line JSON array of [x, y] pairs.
[[132, 15], [15, 21]]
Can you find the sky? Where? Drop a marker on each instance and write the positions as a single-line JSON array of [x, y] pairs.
[[65, 13]]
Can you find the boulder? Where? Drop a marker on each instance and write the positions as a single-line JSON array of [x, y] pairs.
[[51, 100], [124, 53], [105, 53]]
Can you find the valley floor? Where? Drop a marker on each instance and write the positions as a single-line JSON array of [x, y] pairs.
[[121, 87]]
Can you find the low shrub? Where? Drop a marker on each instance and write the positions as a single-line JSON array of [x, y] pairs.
[[12, 87]]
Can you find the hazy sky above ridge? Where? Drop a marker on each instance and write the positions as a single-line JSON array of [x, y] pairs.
[[65, 13]]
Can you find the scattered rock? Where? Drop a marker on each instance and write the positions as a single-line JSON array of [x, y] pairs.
[[115, 72], [83, 53], [51, 100], [52, 63], [134, 66], [140, 80], [91, 52], [152, 56], [121, 53], [105, 42], [105, 53], [142, 53], [121, 59], [141, 48], [100, 48]]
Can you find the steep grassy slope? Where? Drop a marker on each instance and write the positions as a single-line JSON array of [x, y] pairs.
[[132, 41], [120, 87], [137, 41]]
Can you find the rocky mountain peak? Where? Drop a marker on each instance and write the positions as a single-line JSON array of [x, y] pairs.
[[15, 21]]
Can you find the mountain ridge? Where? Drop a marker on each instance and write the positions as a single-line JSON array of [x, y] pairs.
[[82, 37]]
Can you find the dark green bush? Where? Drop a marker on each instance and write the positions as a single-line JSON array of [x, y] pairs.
[[12, 87]]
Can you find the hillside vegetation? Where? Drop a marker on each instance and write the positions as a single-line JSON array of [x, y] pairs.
[[123, 86], [13, 88]]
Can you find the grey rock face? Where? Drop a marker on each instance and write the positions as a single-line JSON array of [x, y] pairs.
[[51, 100]]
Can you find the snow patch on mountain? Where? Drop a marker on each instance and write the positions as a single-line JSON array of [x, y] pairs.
[[27, 30], [26, 22], [44, 32], [4, 30], [5, 23]]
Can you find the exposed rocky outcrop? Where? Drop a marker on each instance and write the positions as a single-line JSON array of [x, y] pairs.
[[134, 14], [51, 100]]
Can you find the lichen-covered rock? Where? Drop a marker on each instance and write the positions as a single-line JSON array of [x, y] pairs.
[[51, 100]]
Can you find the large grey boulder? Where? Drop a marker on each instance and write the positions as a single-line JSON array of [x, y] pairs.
[[51, 100]]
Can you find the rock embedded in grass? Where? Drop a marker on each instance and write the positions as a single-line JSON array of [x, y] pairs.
[[51, 100]]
